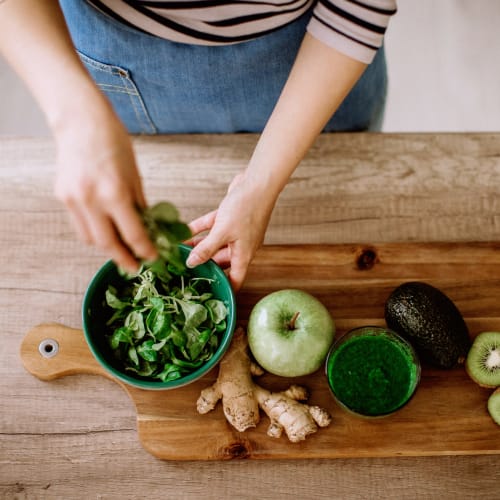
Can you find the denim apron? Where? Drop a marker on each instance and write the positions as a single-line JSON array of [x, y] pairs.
[[159, 87]]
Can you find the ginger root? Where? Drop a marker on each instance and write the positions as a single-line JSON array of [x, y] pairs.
[[234, 386], [242, 397]]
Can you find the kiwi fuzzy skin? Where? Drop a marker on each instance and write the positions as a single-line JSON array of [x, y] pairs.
[[473, 359], [494, 406]]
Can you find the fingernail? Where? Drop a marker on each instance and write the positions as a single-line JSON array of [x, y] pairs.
[[193, 260]]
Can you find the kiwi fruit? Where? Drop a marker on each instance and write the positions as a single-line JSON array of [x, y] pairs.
[[494, 406], [483, 360]]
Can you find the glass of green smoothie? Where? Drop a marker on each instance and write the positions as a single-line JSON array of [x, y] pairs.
[[372, 371]]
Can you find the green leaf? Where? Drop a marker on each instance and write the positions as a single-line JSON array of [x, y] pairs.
[[205, 296], [146, 369], [177, 231], [159, 324], [160, 270], [163, 212], [172, 255], [158, 346], [166, 231], [194, 314], [118, 315], [197, 343], [221, 327], [178, 338], [132, 355], [192, 365], [112, 299], [158, 321], [135, 322], [217, 310], [157, 303], [169, 372], [120, 335], [146, 351]]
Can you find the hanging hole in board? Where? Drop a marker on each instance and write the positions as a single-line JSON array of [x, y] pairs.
[[48, 348]]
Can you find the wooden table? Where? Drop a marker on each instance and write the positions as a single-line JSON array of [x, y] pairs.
[[76, 437]]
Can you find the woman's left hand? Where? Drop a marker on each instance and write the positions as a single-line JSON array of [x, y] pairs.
[[236, 229], [308, 100]]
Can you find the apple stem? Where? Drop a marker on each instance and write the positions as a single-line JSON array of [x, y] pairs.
[[291, 324]]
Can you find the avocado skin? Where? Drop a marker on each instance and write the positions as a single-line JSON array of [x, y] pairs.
[[430, 321]]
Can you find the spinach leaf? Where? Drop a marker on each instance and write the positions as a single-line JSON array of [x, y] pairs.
[[163, 321], [146, 350], [217, 310], [113, 301], [166, 231], [121, 334], [135, 322], [194, 314]]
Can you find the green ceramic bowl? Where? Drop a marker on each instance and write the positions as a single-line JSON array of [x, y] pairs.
[[95, 315]]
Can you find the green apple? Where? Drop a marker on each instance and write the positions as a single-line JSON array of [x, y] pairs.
[[290, 332]]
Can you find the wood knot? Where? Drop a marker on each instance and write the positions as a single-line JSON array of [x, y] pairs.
[[366, 258], [235, 450]]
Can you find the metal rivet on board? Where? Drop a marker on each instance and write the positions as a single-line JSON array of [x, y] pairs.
[[48, 348]]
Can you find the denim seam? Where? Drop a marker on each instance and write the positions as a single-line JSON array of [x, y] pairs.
[[107, 68], [128, 87], [117, 88], [140, 111]]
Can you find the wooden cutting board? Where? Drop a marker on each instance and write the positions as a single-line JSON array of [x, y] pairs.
[[447, 415]]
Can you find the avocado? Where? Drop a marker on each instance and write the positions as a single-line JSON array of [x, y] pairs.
[[430, 321]]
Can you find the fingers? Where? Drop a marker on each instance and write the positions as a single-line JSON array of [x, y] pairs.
[[120, 234], [220, 245], [99, 182], [238, 270], [236, 278], [223, 257], [203, 223], [226, 257], [105, 237], [206, 246], [131, 228], [79, 223], [204, 250]]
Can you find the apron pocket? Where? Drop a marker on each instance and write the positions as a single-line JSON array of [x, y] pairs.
[[118, 86]]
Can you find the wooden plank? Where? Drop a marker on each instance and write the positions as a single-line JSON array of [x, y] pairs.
[[350, 187]]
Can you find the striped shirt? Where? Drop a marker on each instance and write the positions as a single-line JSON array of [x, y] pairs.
[[354, 27]]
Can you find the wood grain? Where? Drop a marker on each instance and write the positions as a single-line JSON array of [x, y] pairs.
[[76, 437], [447, 416]]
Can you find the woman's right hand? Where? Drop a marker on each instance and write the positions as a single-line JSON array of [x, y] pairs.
[[97, 177], [98, 181]]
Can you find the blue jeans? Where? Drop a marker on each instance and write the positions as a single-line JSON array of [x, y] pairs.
[[158, 87]]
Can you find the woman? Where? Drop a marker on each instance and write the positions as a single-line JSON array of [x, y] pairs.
[[288, 69]]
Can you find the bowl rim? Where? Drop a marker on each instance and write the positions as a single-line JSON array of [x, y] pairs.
[[153, 384]]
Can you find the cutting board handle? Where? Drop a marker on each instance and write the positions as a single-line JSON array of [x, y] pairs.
[[52, 350]]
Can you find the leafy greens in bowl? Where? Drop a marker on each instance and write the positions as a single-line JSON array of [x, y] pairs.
[[161, 328]]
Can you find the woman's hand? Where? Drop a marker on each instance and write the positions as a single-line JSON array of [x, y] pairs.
[[320, 79], [97, 176], [98, 181], [236, 229]]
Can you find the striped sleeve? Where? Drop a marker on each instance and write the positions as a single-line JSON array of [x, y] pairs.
[[354, 27]]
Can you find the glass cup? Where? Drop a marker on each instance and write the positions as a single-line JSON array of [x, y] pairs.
[[372, 371]]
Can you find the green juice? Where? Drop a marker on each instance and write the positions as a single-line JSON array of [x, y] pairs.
[[372, 371]]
